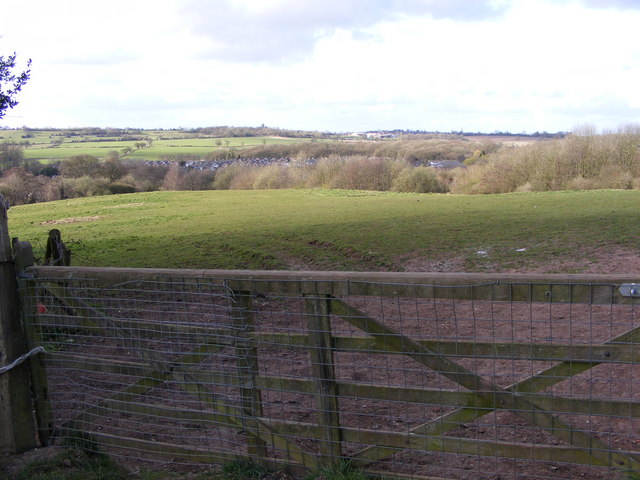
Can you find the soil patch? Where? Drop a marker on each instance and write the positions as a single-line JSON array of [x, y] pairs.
[[609, 259], [71, 220]]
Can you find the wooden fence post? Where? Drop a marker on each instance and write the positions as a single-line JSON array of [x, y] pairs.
[[318, 308], [23, 255], [247, 360], [17, 430]]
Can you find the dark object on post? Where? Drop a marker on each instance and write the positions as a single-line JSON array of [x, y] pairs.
[[57, 254]]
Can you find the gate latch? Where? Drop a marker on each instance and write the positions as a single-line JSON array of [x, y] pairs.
[[630, 289]]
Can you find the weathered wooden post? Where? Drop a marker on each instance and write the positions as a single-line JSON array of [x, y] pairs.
[[56, 253], [318, 309], [17, 429], [247, 360]]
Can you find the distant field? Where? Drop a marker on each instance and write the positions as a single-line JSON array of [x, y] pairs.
[[64, 151], [163, 144], [339, 230]]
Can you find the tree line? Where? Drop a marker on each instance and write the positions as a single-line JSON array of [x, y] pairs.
[[582, 160]]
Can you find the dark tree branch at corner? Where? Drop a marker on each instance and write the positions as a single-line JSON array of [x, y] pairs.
[[10, 82]]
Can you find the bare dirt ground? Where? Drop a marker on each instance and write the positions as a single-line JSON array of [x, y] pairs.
[[612, 259]]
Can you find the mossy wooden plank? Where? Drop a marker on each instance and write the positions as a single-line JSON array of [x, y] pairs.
[[182, 452], [607, 353], [318, 309], [507, 286], [175, 414], [92, 318], [396, 441], [138, 388], [453, 398], [96, 364], [248, 369]]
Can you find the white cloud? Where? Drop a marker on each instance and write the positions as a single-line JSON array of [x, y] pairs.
[[287, 30], [332, 65]]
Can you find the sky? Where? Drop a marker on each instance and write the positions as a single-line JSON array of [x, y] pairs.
[[326, 65]]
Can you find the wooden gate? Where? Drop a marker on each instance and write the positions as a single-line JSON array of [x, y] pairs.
[[408, 374]]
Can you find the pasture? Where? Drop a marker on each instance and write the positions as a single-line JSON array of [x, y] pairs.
[[56, 145], [579, 329], [568, 232]]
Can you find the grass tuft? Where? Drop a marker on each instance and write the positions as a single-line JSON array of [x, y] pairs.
[[342, 471], [242, 469], [73, 465]]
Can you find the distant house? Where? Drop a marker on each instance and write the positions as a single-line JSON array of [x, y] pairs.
[[446, 164]]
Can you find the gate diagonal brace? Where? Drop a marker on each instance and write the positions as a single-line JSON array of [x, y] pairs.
[[490, 396], [250, 424]]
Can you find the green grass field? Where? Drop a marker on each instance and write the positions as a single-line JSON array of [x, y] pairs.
[[333, 230], [164, 143]]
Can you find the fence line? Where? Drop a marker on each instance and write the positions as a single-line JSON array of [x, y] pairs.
[[439, 375]]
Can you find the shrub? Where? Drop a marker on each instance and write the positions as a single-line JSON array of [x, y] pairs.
[[21, 187], [146, 178], [244, 179], [118, 188], [274, 176], [360, 173], [113, 168], [80, 166], [417, 180], [225, 176], [172, 178], [85, 186], [197, 180], [325, 172]]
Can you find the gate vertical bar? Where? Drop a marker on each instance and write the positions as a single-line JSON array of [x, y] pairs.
[[17, 429], [247, 360], [318, 308]]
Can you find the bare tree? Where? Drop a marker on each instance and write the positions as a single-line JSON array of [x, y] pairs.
[[10, 156]]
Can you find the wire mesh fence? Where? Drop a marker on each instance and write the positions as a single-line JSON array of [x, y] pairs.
[[485, 380]]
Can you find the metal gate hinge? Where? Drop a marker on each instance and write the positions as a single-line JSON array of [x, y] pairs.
[[630, 289]]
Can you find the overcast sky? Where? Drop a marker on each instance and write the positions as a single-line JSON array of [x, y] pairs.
[[327, 65]]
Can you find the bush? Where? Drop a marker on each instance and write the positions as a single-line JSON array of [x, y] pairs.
[[360, 173], [118, 188], [272, 177], [225, 176], [325, 172], [197, 180], [21, 187], [80, 166], [146, 178], [85, 186], [244, 178], [417, 180]]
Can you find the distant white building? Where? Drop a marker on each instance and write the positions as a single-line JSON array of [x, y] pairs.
[[446, 164]]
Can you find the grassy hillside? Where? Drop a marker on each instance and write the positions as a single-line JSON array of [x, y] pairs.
[[336, 229]]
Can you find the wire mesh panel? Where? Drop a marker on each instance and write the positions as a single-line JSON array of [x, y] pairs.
[[484, 381], [127, 363]]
